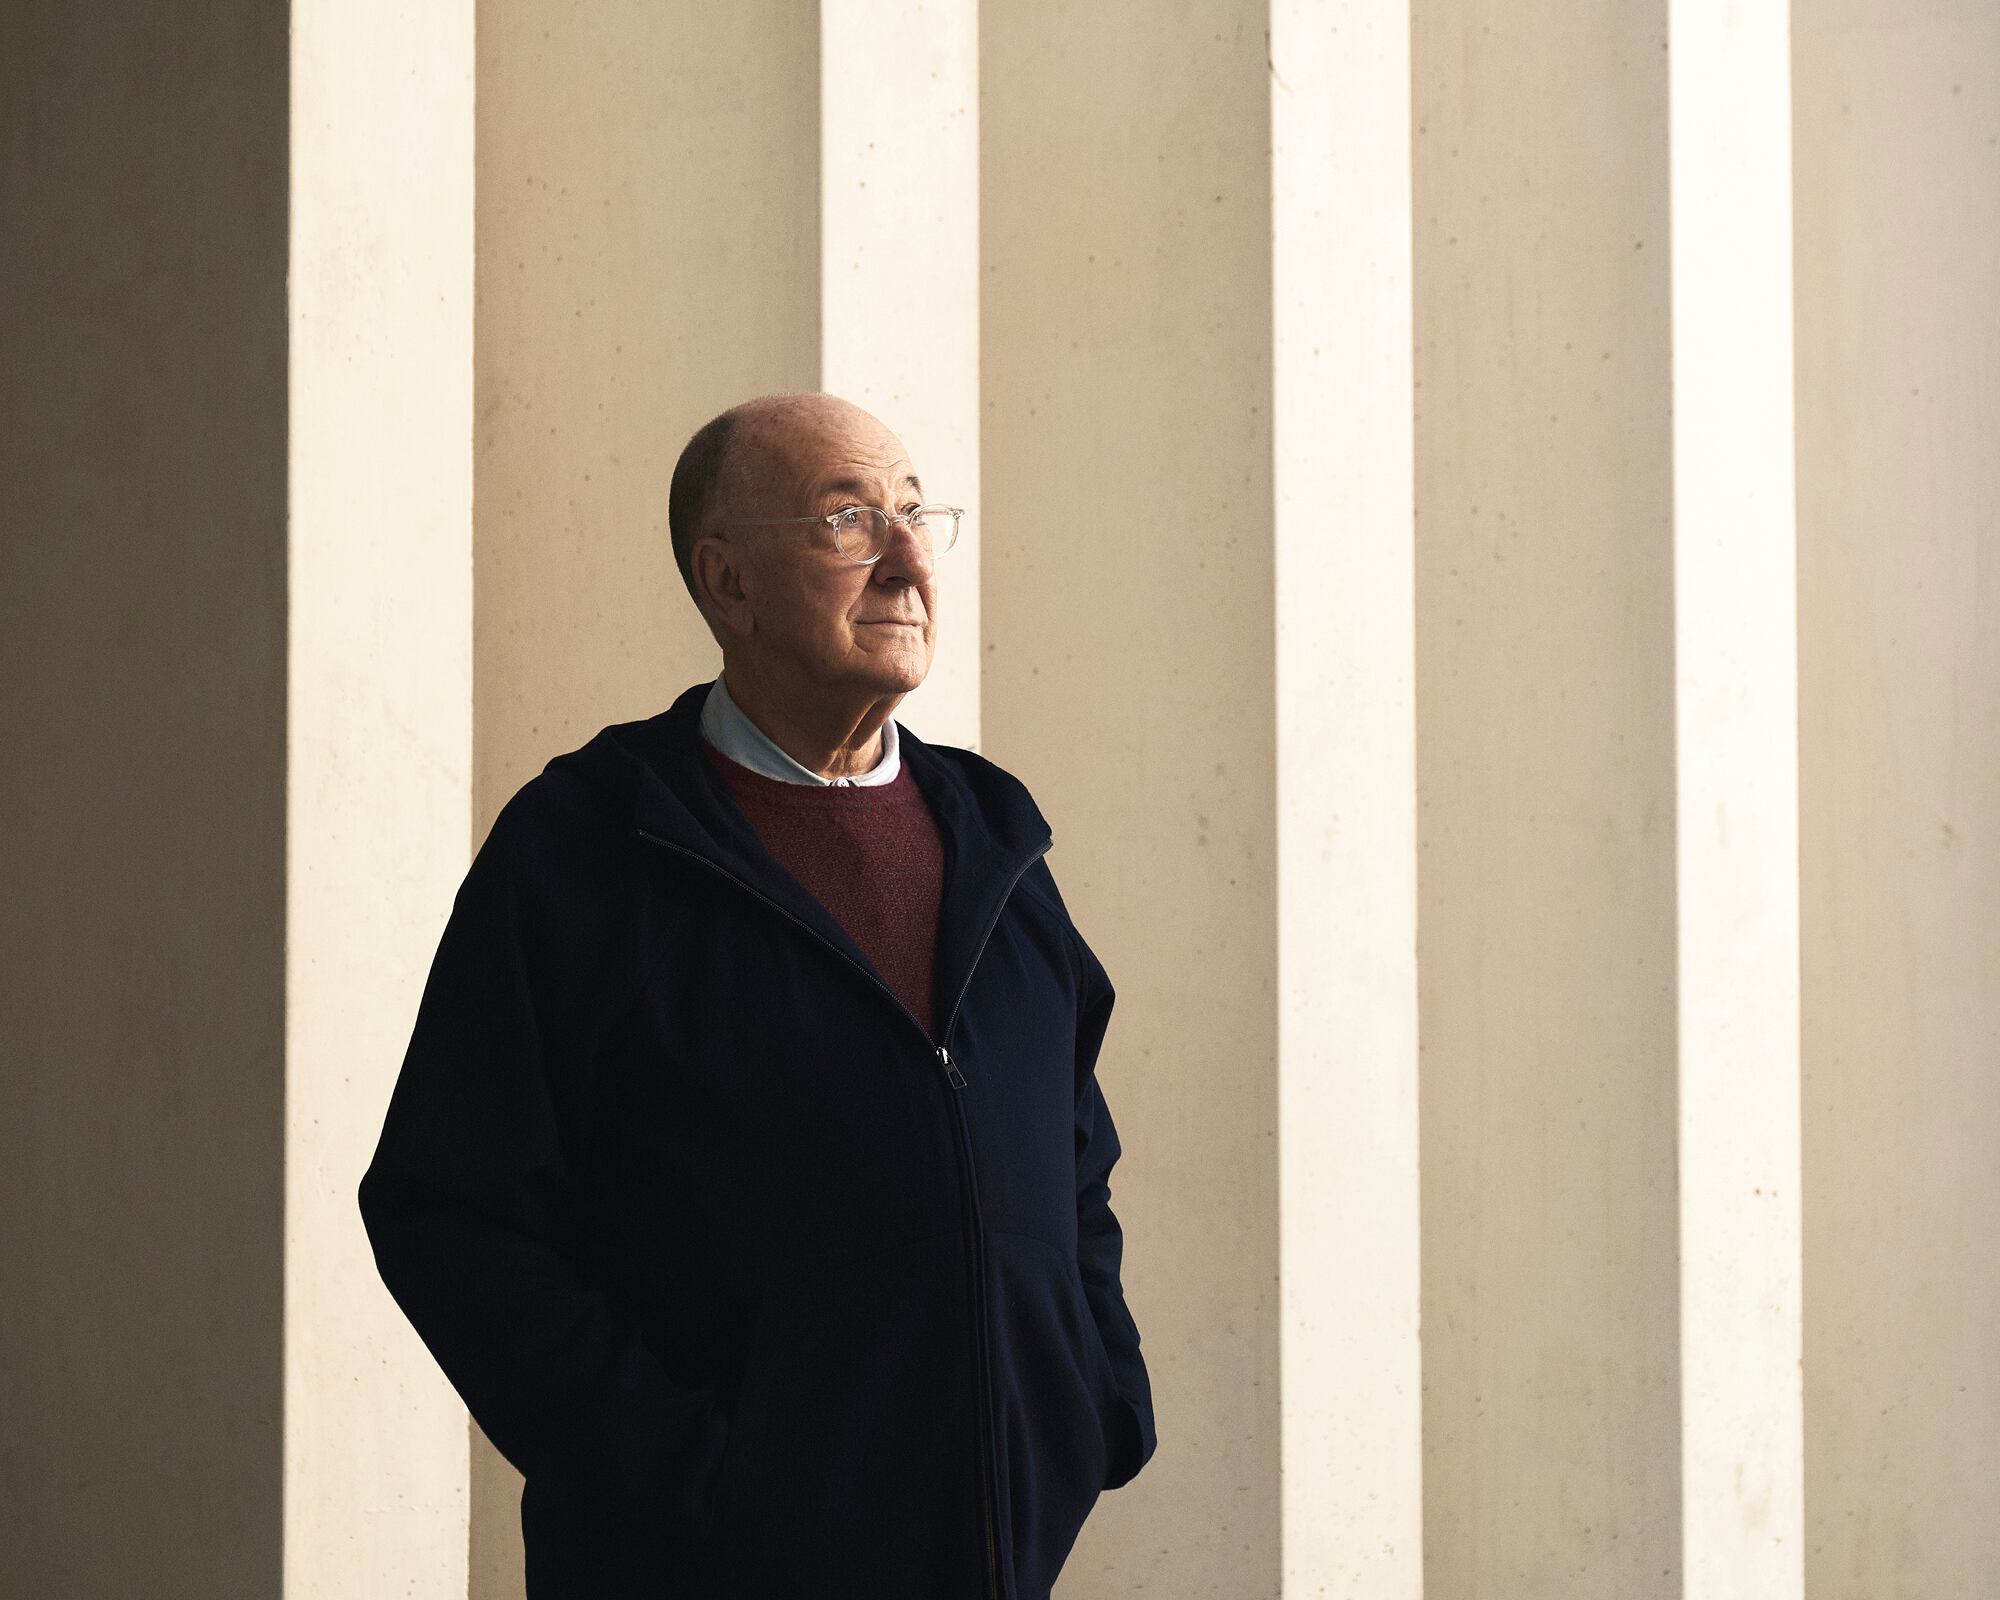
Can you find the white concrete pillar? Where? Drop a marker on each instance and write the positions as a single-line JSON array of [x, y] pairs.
[[1737, 793], [378, 775], [899, 281], [1350, 1445]]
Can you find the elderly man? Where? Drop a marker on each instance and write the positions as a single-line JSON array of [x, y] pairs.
[[747, 1173]]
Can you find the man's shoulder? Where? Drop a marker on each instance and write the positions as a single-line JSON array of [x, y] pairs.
[[1001, 795], [562, 830], [1002, 791], [977, 771]]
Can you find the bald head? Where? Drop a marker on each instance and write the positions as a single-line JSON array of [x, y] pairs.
[[746, 462]]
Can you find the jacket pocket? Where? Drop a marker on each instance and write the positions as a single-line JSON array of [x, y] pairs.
[[1110, 1403], [1054, 1395], [1119, 1422], [749, 1384]]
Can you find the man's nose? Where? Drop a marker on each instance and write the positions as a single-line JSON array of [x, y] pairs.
[[906, 554]]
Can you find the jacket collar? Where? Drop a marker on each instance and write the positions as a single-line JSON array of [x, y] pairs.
[[993, 830]]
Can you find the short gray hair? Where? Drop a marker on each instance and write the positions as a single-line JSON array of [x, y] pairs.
[[692, 495]]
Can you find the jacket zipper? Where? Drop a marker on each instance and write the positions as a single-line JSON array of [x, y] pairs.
[[981, 1354], [955, 1080]]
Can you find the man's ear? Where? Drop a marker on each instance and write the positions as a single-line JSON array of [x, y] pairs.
[[721, 580]]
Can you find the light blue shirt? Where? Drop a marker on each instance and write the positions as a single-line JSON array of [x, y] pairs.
[[725, 726]]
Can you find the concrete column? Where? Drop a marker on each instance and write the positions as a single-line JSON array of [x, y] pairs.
[[899, 257], [1350, 1450], [1737, 792], [1546, 788], [1897, 184], [379, 752]]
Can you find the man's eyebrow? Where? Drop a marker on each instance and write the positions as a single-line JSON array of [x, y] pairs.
[[854, 489]]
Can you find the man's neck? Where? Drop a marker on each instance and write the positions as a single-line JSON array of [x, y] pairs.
[[835, 740]]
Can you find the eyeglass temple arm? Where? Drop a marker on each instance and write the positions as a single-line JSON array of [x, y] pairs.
[[772, 522]]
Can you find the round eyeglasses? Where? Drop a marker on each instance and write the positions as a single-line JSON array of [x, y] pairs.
[[861, 533]]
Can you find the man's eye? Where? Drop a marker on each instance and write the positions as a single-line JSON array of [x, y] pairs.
[[849, 515]]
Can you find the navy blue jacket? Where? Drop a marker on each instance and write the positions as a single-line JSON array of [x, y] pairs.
[[763, 1289]]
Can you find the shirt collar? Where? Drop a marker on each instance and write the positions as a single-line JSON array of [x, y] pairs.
[[726, 727]]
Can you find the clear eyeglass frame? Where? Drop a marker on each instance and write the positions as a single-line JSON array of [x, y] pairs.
[[848, 519]]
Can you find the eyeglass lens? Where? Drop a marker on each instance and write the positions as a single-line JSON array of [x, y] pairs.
[[863, 531]]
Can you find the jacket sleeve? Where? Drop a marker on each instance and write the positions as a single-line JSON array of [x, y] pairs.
[[1100, 1243], [468, 1205]]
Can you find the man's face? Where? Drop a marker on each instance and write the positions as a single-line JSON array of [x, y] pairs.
[[819, 615]]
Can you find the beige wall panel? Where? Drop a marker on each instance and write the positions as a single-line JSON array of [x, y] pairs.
[[142, 799], [1897, 184], [1128, 678], [1545, 772], [648, 253]]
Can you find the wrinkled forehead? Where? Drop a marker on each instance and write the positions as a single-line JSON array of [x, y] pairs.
[[806, 450]]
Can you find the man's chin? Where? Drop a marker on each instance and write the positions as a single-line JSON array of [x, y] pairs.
[[895, 672]]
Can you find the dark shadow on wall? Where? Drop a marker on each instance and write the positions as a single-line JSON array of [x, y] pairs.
[[143, 170]]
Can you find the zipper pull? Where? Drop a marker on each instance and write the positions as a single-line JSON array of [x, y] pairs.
[[950, 1068]]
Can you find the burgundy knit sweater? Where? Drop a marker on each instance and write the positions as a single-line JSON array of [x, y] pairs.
[[871, 854]]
